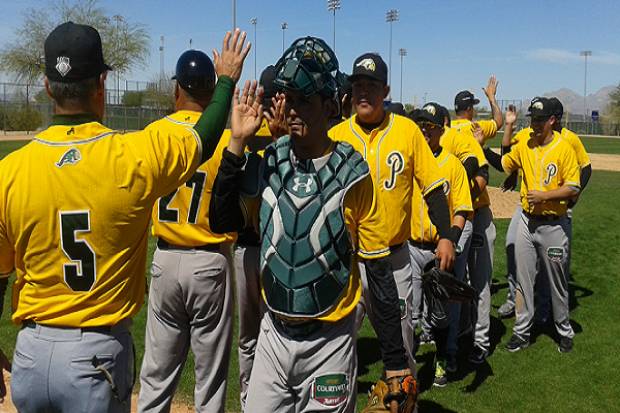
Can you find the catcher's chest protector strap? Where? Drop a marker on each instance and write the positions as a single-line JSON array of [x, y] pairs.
[[306, 251]]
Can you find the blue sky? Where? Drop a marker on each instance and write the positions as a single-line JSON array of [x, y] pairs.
[[531, 46]]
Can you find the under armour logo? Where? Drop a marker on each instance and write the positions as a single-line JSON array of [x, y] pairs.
[[63, 66], [306, 185]]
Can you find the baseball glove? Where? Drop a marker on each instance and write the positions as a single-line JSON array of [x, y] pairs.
[[397, 394], [441, 287]]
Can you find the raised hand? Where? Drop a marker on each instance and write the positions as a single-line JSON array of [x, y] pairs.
[[491, 88], [247, 112], [230, 61], [276, 116], [478, 133], [510, 115]]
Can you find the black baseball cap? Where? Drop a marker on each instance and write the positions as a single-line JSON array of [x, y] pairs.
[[369, 65], [465, 99], [397, 108], [73, 52], [431, 112], [558, 108], [269, 88], [541, 108]]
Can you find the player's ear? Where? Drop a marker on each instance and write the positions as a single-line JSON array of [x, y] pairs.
[[176, 91], [47, 88], [386, 91]]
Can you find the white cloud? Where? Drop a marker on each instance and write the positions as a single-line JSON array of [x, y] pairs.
[[567, 56]]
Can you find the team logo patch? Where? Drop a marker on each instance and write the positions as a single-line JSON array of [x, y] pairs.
[[552, 170], [477, 240], [555, 253], [396, 163], [331, 389], [63, 65], [367, 64], [446, 187], [538, 105], [430, 109], [402, 303], [72, 156]]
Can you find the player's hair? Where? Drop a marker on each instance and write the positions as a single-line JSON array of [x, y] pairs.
[[201, 96], [73, 93]]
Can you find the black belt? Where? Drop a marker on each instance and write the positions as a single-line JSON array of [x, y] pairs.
[[395, 247], [164, 245], [543, 217], [427, 246], [296, 330], [99, 329]]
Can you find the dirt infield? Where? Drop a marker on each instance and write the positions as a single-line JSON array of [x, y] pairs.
[[605, 162], [502, 203]]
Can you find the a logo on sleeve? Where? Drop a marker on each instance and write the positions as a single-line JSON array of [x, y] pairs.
[[396, 163], [72, 156], [446, 187], [552, 170], [330, 389], [555, 254]]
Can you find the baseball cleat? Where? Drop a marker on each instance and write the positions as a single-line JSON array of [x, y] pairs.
[[516, 343]]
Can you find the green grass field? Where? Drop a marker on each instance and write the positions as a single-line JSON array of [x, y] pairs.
[[537, 379]]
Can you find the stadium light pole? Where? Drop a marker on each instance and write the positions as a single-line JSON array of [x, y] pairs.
[[391, 16], [253, 21], [333, 5], [284, 27], [402, 52], [585, 54]]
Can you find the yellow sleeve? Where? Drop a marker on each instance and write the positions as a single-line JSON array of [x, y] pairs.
[[365, 215], [512, 160], [583, 159], [523, 134], [489, 128], [425, 168], [570, 171], [474, 147], [7, 255], [171, 155], [461, 195]]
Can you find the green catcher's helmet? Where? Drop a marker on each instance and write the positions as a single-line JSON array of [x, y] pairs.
[[308, 66]]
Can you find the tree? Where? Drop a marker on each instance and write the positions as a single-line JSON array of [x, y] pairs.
[[125, 44]]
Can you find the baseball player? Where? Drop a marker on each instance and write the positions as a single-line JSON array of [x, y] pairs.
[[549, 178], [507, 308], [480, 256], [79, 246], [317, 216], [423, 241], [190, 296], [247, 256], [397, 154]]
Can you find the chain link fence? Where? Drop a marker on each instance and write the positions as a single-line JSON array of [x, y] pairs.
[[130, 105]]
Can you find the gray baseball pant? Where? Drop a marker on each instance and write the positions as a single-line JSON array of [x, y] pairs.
[[511, 261], [401, 267], [547, 242], [57, 369], [460, 271], [315, 373], [480, 265], [190, 305], [419, 259], [250, 308]]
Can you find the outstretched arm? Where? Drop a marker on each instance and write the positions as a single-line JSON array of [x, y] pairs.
[[490, 91]]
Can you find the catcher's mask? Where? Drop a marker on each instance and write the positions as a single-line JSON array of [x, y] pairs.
[[308, 66]]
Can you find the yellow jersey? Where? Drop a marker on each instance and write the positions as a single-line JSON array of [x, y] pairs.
[[456, 188], [364, 218], [489, 129], [75, 206], [397, 154], [543, 168], [182, 216], [569, 136]]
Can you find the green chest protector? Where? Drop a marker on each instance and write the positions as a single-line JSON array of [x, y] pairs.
[[306, 250]]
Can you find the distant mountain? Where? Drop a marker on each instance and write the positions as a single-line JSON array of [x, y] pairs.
[[573, 102]]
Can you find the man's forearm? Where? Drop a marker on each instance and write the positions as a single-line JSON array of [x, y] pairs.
[[384, 295], [438, 211], [508, 132], [213, 120], [480, 181], [497, 113], [225, 214], [494, 158], [585, 174], [563, 193]]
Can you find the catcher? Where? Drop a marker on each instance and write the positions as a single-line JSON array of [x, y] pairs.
[[317, 216]]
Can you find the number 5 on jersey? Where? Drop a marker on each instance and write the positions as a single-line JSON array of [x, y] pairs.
[[82, 273]]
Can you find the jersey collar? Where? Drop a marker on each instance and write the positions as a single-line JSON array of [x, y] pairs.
[[188, 117], [73, 130], [387, 121], [71, 120]]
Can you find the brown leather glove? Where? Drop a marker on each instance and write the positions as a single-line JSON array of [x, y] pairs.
[[397, 393]]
